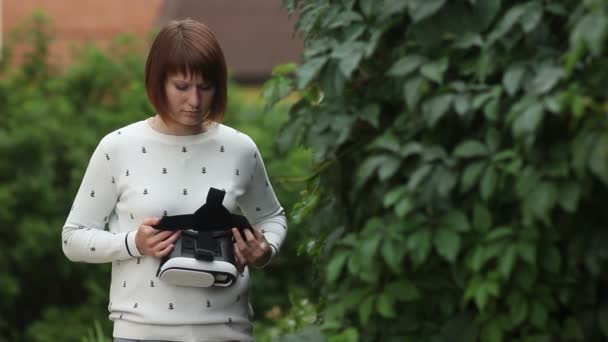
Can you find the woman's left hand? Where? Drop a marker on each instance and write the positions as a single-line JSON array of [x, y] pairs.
[[251, 249]]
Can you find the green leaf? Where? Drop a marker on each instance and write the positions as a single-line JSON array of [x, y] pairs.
[[419, 244], [334, 268], [419, 176], [403, 290], [371, 114], [542, 199], [591, 30], [422, 9], [394, 195], [513, 77], [404, 207], [527, 252], [393, 255], [388, 168], [528, 121], [386, 305], [456, 220], [598, 161], [462, 103], [546, 78], [276, 89], [434, 70], [531, 17], [369, 166], [365, 309], [488, 182], [349, 54], [447, 243], [471, 175], [406, 65], [569, 196], [309, 70], [499, 233], [482, 218], [518, 308], [436, 107], [507, 261], [538, 315], [285, 69], [470, 149], [412, 90]]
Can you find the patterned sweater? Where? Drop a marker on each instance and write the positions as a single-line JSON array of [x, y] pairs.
[[137, 172]]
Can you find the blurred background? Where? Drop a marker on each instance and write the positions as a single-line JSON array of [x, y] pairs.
[[71, 71]]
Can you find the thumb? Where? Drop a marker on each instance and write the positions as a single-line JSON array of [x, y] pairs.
[[151, 221]]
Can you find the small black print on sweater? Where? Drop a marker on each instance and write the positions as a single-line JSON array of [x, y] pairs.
[[204, 170], [93, 193], [151, 283], [171, 306], [208, 303], [92, 249], [124, 284], [127, 172], [145, 191], [164, 170], [184, 149], [185, 192], [107, 157], [222, 148], [138, 261], [143, 150], [237, 172], [135, 306]]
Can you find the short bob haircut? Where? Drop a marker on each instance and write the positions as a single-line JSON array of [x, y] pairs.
[[186, 47]]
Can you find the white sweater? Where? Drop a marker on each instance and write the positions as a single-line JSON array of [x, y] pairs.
[[137, 172]]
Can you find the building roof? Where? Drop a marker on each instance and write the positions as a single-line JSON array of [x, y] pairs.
[[255, 35]]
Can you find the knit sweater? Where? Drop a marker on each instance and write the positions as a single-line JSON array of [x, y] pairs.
[[137, 172]]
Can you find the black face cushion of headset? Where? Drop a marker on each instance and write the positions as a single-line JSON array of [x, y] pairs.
[[210, 217]]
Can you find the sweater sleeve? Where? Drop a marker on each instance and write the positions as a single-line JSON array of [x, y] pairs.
[[261, 206], [84, 237]]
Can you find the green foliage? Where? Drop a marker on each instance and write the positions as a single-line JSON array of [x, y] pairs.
[[462, 167], [52, 118]]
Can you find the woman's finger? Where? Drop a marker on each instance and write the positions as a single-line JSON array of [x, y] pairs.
[[241, 244], [169, 241], [259, 235], [160, 237], [164, 251], [249, 236], [240, 260]]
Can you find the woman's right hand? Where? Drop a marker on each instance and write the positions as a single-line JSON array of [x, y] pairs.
[[154, 242]]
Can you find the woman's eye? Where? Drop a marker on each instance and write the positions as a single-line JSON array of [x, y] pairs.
[[181, 87], [204, 87]]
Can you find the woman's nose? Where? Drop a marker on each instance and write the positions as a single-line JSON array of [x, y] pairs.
[[194, 99]]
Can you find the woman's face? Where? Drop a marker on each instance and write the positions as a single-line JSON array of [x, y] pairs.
[[189, 97]]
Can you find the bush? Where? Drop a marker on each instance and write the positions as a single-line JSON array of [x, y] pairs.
[[462, 152]]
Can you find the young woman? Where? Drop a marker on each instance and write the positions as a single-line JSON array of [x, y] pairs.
[[165, 165]]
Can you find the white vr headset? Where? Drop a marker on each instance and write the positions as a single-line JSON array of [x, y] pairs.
[[203, 255]]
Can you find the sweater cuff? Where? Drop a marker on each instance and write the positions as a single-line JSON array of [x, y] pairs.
[[131, 246]]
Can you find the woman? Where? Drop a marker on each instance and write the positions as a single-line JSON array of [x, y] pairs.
[[165, 165]]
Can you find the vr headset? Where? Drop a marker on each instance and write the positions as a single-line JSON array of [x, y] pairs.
[[203, 255]]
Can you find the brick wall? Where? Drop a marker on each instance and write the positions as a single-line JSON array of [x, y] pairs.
[[81, 21]]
